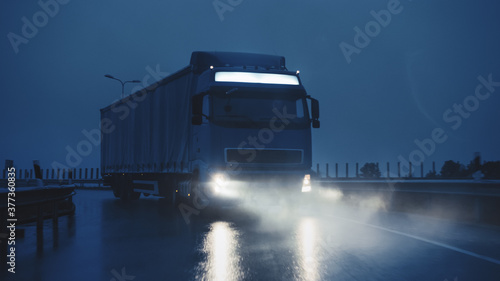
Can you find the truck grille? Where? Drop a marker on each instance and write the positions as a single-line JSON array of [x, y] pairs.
[[265, 156]]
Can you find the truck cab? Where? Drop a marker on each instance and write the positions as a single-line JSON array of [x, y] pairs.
[[252, 122]]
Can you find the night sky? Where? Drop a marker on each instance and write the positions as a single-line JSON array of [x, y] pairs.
[[420, 71]]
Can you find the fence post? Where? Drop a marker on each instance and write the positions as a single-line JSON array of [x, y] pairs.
[[91, 173], [327, 172], [64, 173], [410, 173], [347, 170], [388, 171], [434, 167], [52, 173], [399, 169], [317, 170], [80, 177], [422, 169], [86, 170], [336, 170], [38, 171], [97, 173], [357, 169]]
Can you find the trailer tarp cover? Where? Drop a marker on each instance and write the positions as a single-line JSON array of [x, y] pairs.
[[152, 136]]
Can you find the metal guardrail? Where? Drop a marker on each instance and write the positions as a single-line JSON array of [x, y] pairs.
[[52, 201], [79, 183]]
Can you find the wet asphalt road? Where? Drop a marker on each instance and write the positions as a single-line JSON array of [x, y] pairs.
[[108, 239]]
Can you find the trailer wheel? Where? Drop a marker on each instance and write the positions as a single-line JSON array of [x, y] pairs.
[[128, 191], [134, 195], [125, 190]]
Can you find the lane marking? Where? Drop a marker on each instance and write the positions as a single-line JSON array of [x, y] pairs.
[[449, 247]]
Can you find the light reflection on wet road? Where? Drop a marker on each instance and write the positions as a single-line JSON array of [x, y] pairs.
[[222, 257], [108, 239]]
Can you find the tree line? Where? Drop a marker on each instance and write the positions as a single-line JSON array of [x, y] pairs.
[[450, 169]]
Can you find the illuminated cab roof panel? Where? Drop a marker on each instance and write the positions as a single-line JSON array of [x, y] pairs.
[[258, 78]]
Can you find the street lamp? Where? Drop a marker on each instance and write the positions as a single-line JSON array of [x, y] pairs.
[[123, 83]]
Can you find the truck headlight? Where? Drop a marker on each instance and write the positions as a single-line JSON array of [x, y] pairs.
[[219, 181], [223, 186], [306, 183]]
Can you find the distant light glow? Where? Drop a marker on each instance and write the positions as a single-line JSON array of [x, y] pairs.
[[261, 78]]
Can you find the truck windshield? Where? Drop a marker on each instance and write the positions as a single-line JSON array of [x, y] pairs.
[[259, 112]]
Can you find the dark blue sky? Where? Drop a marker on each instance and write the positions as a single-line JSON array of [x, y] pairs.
[[394, 90]]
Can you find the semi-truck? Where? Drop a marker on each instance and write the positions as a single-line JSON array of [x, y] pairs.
[[226, 126]]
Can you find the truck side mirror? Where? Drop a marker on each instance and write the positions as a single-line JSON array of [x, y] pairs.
[[315, 109], [315, 124], [314, 113], [197, 109]]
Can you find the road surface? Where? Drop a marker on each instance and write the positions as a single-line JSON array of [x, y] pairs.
[[320, 239]]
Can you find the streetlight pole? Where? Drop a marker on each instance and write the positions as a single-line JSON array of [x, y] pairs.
[[123, 83]]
